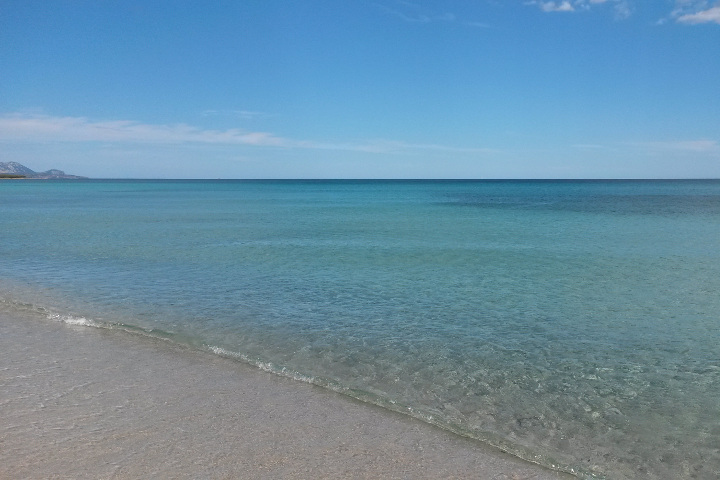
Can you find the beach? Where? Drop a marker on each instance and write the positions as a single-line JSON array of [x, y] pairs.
[[82, 402]]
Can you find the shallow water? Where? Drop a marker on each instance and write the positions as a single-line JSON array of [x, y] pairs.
[[95, 403], [572, 323]]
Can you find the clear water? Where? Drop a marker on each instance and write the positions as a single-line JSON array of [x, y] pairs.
[[575, 324]]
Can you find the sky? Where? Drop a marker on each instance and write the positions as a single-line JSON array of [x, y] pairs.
[[362, 88]]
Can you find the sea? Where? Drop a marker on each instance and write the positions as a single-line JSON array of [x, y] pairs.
[[575, 324]]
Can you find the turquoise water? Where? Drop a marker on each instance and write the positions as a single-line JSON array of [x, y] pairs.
[[575, 324]]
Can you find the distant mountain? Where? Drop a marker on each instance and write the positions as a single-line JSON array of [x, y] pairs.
[[14, 168]]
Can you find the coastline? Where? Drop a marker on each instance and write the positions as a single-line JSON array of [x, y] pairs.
[[81, 402]]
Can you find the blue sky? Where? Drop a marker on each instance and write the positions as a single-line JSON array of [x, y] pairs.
[[362, 89]]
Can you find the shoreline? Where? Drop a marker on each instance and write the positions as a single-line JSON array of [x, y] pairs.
[[82, 402]]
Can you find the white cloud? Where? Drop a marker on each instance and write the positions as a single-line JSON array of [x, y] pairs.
[[19, 127], [703, 16], [622, 10], [561, 7], [693, 12], [29, 128], [564, 6], [621, 7]]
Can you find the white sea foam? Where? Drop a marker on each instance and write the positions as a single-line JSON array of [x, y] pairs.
[[71, 320], [272, 368]]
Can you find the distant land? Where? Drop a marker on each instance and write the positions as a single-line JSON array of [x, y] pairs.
[[16, 170]]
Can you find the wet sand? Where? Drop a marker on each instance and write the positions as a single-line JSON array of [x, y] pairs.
[[81, 402]]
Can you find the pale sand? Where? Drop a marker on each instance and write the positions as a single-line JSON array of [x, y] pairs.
[[80, 402]]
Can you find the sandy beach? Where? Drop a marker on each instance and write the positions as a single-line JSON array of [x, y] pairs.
[[81, 402]]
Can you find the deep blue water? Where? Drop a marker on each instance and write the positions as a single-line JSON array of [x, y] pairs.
[[573, 323]]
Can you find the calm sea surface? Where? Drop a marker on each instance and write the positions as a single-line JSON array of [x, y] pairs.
[[575, 324]]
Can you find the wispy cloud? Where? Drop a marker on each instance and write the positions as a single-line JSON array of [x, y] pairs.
[[695, 147], [414, 13], [243, 114], [703, 146], [590, 146], [690, 12], [476, 24], [18, 127], [621, 8], [554, 6], [392, 146]]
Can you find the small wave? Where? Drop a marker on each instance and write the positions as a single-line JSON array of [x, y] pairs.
[[270, 367], [14, 306], [71, 320]]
